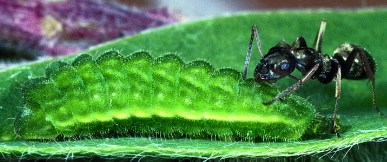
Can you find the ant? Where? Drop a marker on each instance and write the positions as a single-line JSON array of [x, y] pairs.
[[349, 61]]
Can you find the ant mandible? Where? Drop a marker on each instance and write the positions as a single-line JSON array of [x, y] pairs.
[[349, 61]]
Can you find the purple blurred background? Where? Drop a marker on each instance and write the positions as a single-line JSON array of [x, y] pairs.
[[35, 28], [203, 8]]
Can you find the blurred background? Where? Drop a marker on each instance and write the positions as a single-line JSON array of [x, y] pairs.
[[204, 8], [40, 29]]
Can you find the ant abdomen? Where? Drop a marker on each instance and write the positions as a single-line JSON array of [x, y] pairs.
[[355, 70]]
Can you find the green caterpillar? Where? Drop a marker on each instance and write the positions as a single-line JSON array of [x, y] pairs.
[[142, 96]]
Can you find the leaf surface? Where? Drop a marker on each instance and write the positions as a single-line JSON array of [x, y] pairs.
[[223, 42]]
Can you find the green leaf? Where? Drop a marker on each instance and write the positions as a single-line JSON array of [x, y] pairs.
[[223, 42]]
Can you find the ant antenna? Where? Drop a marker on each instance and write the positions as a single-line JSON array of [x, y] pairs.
[[319, 37], [254, 33]]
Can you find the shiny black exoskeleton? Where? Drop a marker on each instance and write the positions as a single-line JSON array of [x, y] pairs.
[[348, 62], [283, 59]]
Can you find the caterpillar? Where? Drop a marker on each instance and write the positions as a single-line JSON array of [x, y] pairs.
[[139, 95]]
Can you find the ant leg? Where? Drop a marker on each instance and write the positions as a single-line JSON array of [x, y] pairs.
[[337, 96], [299, 42], [254, 33], [367, 68], [319, 36], [277, 71], [288, 91]]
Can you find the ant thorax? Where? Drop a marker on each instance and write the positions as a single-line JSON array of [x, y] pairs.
[[328, 69], [305, 59]]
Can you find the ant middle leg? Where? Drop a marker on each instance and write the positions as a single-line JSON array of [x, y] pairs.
[[299, 43], [319, 37]]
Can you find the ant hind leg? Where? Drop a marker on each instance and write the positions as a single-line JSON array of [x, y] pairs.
[[335, 128], [368, 70]]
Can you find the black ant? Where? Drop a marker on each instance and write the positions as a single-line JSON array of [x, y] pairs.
[[349, 62]]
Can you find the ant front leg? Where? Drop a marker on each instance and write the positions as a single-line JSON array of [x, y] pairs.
[[288, 91], [254, 33]]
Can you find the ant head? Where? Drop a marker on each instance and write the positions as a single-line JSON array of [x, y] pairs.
[[277, 63]]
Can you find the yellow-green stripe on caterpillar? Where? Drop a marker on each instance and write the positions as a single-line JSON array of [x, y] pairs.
[[140, 95]]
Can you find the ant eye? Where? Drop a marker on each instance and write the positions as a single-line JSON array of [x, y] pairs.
[[285, 66]]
